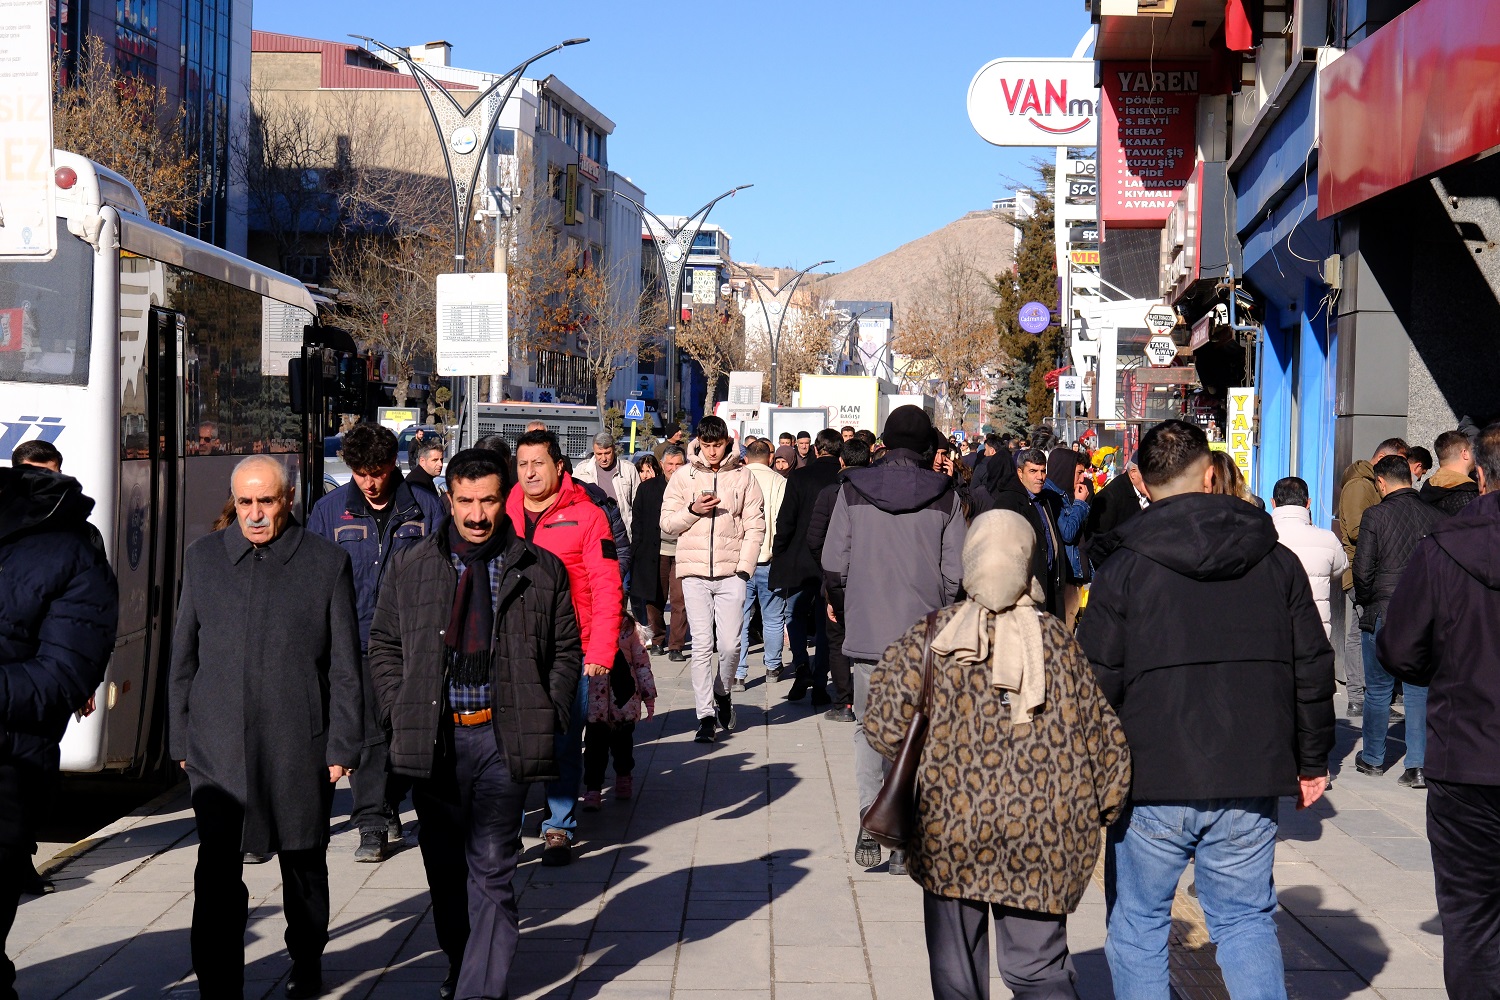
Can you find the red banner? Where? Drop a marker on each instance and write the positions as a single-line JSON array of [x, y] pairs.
[[1147, 133]]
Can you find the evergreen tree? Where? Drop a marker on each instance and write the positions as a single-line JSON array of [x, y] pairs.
[[1023, 400]]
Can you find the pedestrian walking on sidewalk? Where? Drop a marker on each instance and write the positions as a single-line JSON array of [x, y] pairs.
[[853, 454], [1442, 631], [372, 517], [1066, 474], [1357, 494], [1021, 487], [266, 714], [618, 479], [1221, 720], [59, 607], [1023, 765], [1388, 534], [614, 709], [653, 578], [897, 530], [715, 508], [475, 656], [795, 571], [758, 590], [551, 511], [1318, 550]]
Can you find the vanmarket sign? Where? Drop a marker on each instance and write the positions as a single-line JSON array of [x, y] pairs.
[[1035, 102]]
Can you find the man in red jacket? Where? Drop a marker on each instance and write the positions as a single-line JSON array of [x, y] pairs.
[[552, 512]]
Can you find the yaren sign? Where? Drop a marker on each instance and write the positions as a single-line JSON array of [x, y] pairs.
[[1035, 102]]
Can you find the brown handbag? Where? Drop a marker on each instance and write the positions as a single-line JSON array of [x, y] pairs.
[[892, 818]]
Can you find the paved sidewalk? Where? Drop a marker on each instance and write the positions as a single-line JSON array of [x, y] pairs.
[[730, 874]]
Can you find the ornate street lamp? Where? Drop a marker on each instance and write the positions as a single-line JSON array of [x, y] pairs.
[[465, 138], [773, 306], [673, 244]]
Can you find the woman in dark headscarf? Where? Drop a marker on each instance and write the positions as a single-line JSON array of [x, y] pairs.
[[784, 460], [1066, 476]]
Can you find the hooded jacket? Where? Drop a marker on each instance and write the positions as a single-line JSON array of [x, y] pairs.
[[1449, 491], [1357, 494], [1443, 631], [899, 529], [728, 540], [58, 614], [578, 533], [1204, 636], [1389, 532]]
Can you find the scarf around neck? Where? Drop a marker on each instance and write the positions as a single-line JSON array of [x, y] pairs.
[[471, 624], [1000, 622]]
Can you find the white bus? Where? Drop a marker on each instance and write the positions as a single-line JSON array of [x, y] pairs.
[[154, 362]]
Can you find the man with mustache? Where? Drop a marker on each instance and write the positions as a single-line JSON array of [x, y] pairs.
[[266, 712], [475, 657], [372, 517]]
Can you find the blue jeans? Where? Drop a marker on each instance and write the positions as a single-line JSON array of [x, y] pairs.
[[1234, 842], [1380, 687], [562, 794], [772, 620]]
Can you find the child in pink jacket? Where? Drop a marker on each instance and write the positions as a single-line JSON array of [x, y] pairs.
[[611, 725]]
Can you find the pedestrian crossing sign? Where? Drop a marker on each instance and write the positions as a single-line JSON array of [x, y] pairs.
[[635, 409]]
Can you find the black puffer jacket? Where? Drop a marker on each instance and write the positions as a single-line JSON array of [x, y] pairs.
[[58, 613], [1388, 533], [1205, 638], [534, 668], [1449, 499]]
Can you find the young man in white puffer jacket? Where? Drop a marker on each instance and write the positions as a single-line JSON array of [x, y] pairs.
[[1318, 549], [715, 508]]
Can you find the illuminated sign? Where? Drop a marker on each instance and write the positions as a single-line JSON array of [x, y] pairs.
[[1035, 102]]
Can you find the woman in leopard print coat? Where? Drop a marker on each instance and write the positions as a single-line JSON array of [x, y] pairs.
[[1009, 815]]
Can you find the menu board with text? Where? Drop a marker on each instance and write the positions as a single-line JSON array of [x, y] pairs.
[[1147, 148]]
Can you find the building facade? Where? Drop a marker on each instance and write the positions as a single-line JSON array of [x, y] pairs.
[[198, 51]]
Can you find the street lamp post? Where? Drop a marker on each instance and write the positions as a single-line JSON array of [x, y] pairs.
[[774, 311], [465, 139], [674, 244]]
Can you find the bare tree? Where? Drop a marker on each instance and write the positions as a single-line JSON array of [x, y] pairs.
[[804, 347], [949, 330], [610, 310], [131, 127], [715, 338]]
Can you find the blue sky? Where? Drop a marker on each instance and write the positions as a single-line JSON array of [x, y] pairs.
[[848, 118]]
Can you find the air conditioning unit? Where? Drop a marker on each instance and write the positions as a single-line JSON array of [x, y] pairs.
[[1309, 29]]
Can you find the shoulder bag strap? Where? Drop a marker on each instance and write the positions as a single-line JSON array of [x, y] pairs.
[[926, 701]]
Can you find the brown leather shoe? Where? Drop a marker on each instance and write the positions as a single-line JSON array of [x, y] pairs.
[[558, 850]]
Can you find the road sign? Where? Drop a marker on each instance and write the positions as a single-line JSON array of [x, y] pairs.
[[1160, 351], [1035, 317], [1160, 319], [1069, 389], [635, 409]]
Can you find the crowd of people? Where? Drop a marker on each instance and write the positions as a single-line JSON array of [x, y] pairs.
[[1143, 668]]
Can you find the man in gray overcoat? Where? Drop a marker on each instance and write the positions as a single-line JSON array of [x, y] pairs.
[[266, 716]]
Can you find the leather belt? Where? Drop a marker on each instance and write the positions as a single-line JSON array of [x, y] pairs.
[[478, 718]]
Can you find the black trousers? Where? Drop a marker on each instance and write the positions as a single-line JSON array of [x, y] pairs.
[[602, 740], [470, 815], [1463, 827], [377, 794], [839, 669], [1034, 959], [23, 796], [221, 903]]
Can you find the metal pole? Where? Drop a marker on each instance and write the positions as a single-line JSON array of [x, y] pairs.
[[773, 328]]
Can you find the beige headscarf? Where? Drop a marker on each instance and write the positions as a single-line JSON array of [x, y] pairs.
[[1000, 621]]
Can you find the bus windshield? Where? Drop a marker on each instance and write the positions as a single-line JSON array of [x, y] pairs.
[[45, 310]]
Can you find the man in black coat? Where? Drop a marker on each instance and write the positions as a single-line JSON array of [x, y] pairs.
[[653, 577], [1205, 638], [1442, 629], [59, 610], [1021, 487], [475, 655], [795, 571], [1388, 534], [1119, 500], [855, 454], [266, 710]]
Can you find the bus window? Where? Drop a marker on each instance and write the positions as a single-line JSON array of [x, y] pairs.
[[45, 315]]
